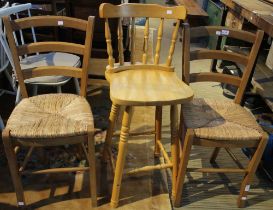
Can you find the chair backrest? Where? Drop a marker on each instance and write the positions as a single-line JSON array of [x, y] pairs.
[[55, 46], [4, 61], [247, 61], [15, 10], [134, 11]]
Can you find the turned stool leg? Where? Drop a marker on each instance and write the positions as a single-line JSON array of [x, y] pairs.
[[158, 126], [110, 130], [123, 141], [174, 146]]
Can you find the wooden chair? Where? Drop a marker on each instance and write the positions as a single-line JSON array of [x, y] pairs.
[[142, 84], [31, 61], [4, 59], [50, 119], [215, 123]]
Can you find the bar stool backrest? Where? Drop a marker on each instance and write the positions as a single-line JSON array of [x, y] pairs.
[[134, 11]]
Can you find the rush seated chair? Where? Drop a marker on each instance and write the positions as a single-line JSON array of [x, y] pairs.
[[50, 119], [143, 84], [220, 123]]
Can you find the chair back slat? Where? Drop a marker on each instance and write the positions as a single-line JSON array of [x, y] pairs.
[[50, 46], [158, 43], [68, 71], [173, 41], [215, 77], [145, 43], [247, 61], [36, 47], [132, 40], [120, 42], [219, 54], [58, 21], [109, 44]]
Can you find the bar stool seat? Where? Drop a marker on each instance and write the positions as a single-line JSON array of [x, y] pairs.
[[147, 87]]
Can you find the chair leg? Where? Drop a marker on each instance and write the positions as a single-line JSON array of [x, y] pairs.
[[10, 80], [1, 124], [59, 89], [77, 85], [174, 146], [214, 154], [183, 166], [35, 90], [14, 170], [92, 168], [251, 169], [123, 141], [158, 126], [18, 95], [110, 130]]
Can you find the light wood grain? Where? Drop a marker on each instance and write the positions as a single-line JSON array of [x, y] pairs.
[[148, 87], [145, 84], [140, 10]]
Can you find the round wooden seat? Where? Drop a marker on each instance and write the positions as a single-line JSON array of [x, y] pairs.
[[148, 87], [220, 120], [50, 116]]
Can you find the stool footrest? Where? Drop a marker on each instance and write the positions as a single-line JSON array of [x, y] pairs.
[[217, 170], [148, 168], [56, 170]]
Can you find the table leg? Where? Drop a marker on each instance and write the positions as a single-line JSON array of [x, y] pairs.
[[123, 141]]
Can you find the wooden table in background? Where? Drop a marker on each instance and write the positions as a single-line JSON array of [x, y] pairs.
[[195, 14]]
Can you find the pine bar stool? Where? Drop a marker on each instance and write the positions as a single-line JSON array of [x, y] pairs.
[[141, 84], [50, 119], [220, 123]]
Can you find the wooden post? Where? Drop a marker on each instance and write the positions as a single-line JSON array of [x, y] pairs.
[[123, 141]]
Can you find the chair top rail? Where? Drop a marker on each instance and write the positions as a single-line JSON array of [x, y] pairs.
[[14, 9], [203, 31], [41, 21], [139, 10]]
